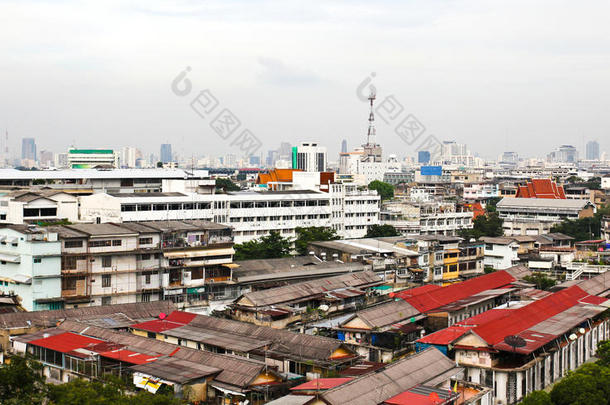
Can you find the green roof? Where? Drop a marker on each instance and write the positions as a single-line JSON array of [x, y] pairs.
[[91, 151]]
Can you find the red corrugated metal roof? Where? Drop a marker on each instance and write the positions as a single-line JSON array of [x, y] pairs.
[[485, 317], [180, 317], [435, 298], [411, 398], [321, 384], [445, 336], [520, 319], [66, 342], [415, 291], [127, 356], [174, 320], [594, 299]]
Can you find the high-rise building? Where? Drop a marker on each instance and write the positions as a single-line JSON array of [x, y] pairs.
[[166, 153], [46, 158], [423, 157], [565, 154], [344, 146], [129, 156], [309, 157], [592, 150], [285, 151], [28, 149]]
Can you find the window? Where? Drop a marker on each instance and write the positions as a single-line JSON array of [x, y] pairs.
[[146, 278], [145, 241], [38, 260], [144, 207], [73, 244], [99, 243], [117, 242], [106, 261], [128, 207], [106, 281], [107, 300]]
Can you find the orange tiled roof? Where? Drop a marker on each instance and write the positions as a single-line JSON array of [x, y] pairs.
[[276, 175], [541, 188]]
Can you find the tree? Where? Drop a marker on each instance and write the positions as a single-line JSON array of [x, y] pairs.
[[489, 224], [312, 234], [490, 206], [577, 388], [542, 282], [583, 228], [267, 247], [110, 390], [603, 353], [385, 190], [378, 231], [226, 184], [537, 398], [22, 382]]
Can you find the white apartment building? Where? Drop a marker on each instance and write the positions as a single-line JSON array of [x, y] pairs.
[[30, 266], [481, 191], [90, 181], [500, 253], [536, 216], [250, 214], [365, 170], [309, 157], [18, 207]]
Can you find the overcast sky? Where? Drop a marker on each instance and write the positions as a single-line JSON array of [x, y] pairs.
[[513, 75]]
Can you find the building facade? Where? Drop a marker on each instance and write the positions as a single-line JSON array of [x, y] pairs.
[[30, 266]]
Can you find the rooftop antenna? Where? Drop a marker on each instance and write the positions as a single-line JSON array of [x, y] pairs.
[[371, 132]]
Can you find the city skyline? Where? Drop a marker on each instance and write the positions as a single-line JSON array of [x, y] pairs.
[[114, 96]]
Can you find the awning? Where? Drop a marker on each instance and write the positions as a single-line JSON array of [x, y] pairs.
[[198, 253], [22, 279], [10, 258], [231, 265]]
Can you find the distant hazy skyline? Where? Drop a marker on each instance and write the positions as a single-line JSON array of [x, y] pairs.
[[516, 75]]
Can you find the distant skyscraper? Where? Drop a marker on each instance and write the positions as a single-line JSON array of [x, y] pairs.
[[255, 160], [285, 151], [166, 153], [565, 154], [592, 150], [46, 158], [28, 148], [423, 157], [344, 146]]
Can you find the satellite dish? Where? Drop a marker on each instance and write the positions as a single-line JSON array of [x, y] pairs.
[[514, 341], [324, 307], [573, 336], [581, 330]]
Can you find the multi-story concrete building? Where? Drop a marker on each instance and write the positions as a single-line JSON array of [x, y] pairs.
[[138, 262], [500, 253], [309, 157], [30, 266], [90, 181], [92, 158], [481, 191], [251, 214], [18, 207], [446, 259], [536, 216]]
